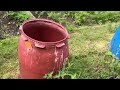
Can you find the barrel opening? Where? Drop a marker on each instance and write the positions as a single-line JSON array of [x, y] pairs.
[[44, 31]]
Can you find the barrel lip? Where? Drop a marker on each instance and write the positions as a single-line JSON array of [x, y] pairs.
[[45, 20]]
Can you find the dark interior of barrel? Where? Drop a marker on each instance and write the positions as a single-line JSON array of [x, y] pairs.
[[44, 31]]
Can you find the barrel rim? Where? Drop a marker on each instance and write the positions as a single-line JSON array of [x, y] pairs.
[[48, 21]]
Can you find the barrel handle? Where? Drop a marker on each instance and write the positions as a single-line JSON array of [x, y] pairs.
[[39, 45], [60, 45], [24, 37]]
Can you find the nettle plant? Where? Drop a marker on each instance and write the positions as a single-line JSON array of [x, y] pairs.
[[63, 74]]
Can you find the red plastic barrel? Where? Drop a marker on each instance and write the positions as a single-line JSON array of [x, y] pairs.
[[42, 48]]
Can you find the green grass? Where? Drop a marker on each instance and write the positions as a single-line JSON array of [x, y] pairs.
[[8, 58], [89, 56]]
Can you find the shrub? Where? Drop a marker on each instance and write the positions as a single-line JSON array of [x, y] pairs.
[[18, 15]]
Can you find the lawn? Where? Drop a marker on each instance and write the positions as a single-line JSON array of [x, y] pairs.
[[89, 53]]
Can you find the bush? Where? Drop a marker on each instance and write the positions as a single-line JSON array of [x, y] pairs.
[[78, 17], [82, 17], [96, 17], [18, 15], [74, 18]]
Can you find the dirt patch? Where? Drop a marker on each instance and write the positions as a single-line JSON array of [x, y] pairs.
[[8, 27]]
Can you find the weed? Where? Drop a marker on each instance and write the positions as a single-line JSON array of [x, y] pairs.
[[63, 74]]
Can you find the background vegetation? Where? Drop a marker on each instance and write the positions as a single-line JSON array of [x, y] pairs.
[[90, 31]]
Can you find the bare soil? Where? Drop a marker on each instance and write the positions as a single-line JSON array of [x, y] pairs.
[[8, 27]]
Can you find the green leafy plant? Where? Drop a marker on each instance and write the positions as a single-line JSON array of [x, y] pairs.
[[70, 27], [64, 73], [18, 15], [109, 53], [49, 75]]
